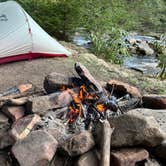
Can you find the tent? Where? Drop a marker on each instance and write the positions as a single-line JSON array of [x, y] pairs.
[[22, 38]]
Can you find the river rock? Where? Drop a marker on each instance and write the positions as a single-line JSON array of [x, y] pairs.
[[37, 149], [159, 115], [133, 128], [154, 101], [160, 150], [151, 162], [56, 82], [5, 160], [88, 159], [23, 126], [144, 48], [122, 88], [40, 105], [128, 157], [14, 112], [79, 144]]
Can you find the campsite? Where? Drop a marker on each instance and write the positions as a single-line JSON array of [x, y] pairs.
[[74, 96]]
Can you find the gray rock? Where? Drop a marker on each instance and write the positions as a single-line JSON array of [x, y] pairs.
[[79, 144], [160, 150], [56, 81], [5, 160], [151, 162], [37, 149], [88, 159], [159, 115], [40, 105], [144, 48], [133, 128]]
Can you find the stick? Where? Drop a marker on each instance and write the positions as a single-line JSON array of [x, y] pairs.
[[106, 143]]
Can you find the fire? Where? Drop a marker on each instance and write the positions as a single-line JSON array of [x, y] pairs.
[[100, 107], [76, 107]]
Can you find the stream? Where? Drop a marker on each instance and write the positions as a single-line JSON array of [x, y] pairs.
[[144, 64]]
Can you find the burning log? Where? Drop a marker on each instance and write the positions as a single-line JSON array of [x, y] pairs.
[[87, 78]]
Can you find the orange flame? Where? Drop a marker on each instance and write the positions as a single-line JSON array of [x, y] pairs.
[[100, 107]]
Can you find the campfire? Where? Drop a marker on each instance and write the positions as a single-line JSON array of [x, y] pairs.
[[77, 120]]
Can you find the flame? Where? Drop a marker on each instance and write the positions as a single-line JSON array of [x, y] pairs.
[[76, 109], [100, 107]]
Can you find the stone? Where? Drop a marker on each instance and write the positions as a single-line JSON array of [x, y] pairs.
[[133, 128], [14, 112], [88, 159], [143, 48], [53, 126], [37, 149], [56, 82], [79, 144], [40, 105], [151, 162], [87, 78], [23, 126], [3, 118], [58, 160], [5, 160], [128, 156], [154, 101], [122, 88], [159, 115], [160, 151], [6, 141]]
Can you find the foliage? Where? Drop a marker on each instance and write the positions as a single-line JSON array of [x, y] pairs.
[[57, 17], [160, 48]]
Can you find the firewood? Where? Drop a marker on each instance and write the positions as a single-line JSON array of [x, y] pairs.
[[87, 77], [102, 134], [106, 144]]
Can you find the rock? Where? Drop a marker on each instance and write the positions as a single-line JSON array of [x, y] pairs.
[[133, 128], [4, 127], [160, 151], [6, 140], [56, 82], [37, 149], [79, 144], [3, 118], [59, 160], [40, 105], [122, 88], [151, 162], [144, 49], [87, 78], [88, 159], [159, 115], [154, 101], [128, 157], [14, 112], [53, 126], [5, 160], [23, 126]]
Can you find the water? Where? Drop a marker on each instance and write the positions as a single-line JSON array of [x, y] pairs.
[[145, 64]]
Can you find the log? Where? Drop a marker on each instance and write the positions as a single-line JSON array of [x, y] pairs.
[[106, 144], [103, 134], [87, 78]]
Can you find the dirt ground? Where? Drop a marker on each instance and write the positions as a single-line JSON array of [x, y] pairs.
[[34, 72]]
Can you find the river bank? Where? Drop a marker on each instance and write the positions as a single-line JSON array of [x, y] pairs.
[[34, 71]]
